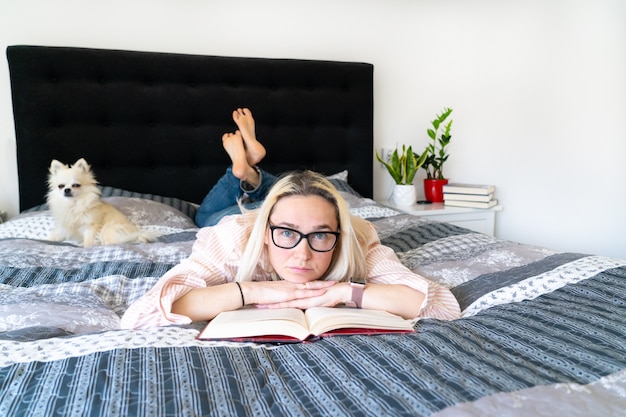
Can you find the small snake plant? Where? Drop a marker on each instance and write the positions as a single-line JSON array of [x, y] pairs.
[[403, 167]]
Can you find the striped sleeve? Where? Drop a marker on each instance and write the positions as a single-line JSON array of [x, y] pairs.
[[385, 268], [214, 260]]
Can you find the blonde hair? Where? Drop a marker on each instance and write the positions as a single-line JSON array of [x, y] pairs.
[[349, 255]]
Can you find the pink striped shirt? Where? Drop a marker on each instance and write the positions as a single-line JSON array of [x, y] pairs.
[[215, 258]]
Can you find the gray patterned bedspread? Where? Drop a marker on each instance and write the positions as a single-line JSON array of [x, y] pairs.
[[541, 332]]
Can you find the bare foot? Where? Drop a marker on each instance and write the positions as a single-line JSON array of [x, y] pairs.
[[255, 152], [234, 146]]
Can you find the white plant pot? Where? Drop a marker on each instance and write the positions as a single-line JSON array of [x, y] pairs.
[[404, 195]]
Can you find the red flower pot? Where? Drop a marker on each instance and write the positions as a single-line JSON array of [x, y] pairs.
[[433, 190]]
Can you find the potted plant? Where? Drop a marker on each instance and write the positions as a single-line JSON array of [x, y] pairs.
[[402, 167], [436, 156]]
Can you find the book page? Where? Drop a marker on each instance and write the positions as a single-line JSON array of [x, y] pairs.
[[249, 322], [324, 319]]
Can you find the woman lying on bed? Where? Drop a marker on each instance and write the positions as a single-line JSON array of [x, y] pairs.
[[299, 248]]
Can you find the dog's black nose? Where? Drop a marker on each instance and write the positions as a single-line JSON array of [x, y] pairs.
[[67, 192]]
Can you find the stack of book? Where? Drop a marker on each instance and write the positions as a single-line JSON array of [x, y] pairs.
[[469, 195]]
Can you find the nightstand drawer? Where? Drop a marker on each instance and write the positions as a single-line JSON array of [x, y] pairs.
[[478, 220]]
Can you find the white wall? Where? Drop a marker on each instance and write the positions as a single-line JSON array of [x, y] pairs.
[[537, 86]]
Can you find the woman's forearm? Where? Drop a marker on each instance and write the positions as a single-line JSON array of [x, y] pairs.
[[205, 303], [401, 300], [202, 304]]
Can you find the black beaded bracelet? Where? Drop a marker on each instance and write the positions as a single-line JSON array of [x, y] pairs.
[[243, 301]]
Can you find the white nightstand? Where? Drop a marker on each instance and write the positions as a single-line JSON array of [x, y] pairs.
[[478, 220]]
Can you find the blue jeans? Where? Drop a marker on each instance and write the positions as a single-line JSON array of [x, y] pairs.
[[222, 199]]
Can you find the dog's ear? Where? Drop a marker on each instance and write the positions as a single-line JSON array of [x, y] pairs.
[[81, 164], [55, 166]]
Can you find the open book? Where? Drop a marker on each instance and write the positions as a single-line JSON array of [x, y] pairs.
[[292, 325]]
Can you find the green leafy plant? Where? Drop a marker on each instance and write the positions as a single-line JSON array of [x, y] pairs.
[[435, 152], [403, 167]]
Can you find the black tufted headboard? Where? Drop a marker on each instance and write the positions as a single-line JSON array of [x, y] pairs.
[[152, 122]]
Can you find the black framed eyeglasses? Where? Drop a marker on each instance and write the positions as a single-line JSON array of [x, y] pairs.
[[286, 238]]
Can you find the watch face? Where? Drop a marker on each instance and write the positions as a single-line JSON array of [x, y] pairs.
[[359, 281]]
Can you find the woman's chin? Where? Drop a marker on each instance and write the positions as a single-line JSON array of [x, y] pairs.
[[296, 278]]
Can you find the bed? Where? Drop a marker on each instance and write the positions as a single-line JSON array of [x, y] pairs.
[[542, 332]]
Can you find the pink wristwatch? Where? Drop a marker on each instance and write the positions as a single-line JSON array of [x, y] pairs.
[[358, 285]]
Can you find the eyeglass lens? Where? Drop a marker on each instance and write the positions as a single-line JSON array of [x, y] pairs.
[[287, 238]]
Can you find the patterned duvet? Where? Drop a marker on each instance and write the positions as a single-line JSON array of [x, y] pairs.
[[541, 332]]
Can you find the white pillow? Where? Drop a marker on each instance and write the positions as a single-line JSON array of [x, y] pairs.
[[342, 176]]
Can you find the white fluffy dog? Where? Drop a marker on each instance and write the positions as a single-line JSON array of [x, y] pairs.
[[79, 212]]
